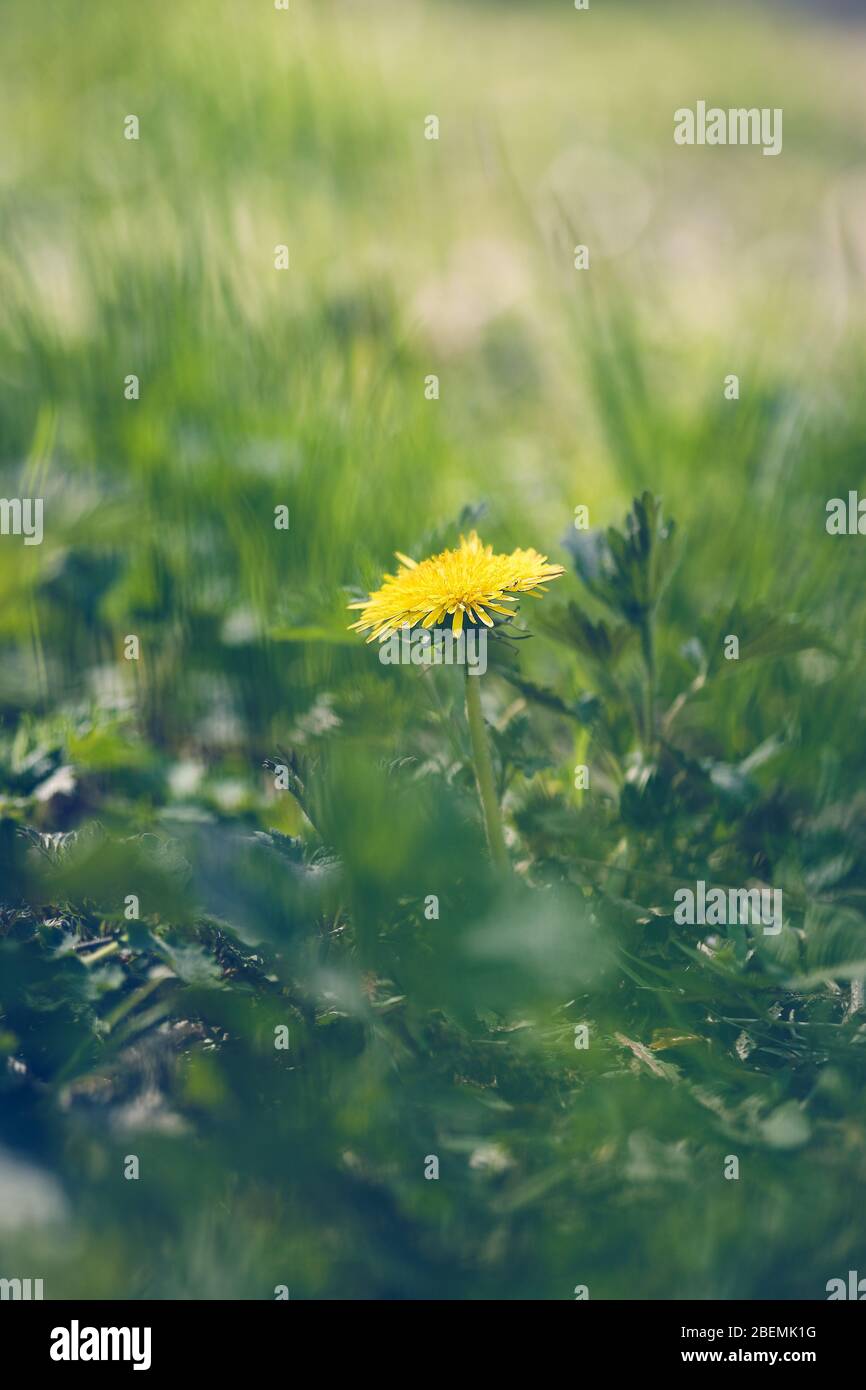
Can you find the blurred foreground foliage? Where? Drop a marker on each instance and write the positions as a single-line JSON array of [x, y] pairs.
[[444, 1026]]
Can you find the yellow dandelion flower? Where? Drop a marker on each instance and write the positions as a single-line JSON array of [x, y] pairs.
[[455, 588]]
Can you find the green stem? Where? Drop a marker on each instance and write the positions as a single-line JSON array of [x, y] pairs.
[[649, 659], [484, 772]]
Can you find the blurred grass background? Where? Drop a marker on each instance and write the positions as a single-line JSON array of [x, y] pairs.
[[306, 388]]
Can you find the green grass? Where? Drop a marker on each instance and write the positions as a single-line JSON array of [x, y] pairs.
[[412, 1036]]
